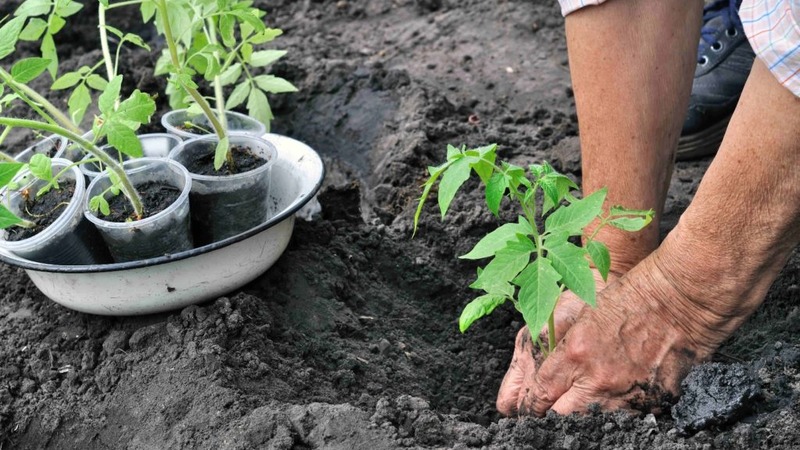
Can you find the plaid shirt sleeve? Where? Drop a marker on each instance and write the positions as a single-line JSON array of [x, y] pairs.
[[773, 28]]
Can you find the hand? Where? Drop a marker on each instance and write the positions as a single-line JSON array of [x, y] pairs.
[[526, 353]]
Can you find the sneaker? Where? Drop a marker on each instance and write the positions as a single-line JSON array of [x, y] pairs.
[[724, 59]]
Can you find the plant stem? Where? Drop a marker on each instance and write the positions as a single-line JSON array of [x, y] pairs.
[[173, 52], [101, 17], [127, 187], [7, 158], [218, 93], [37, 102], [126, 3]]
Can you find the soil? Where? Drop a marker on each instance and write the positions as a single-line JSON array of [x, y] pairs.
[[244, 161], [351, 339], [156, 197], [42, 210]]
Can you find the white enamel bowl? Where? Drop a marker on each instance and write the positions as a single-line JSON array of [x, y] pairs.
[[175, 281]]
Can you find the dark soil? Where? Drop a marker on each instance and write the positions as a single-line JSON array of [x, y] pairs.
[[351, 340], [42, 210], [244, 161], [156, 197]]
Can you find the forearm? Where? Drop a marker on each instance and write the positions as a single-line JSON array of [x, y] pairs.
[[631, 93], [744, 221]]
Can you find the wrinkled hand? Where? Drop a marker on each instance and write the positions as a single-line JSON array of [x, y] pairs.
[[631, 352], [523, 364]]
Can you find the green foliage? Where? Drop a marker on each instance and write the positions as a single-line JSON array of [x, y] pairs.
[[216, 40], [42, 20], [530, 265]]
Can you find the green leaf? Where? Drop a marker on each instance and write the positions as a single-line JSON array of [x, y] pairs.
[[41, 167], [33, 8], [435, 173], [231, 75], [55, 24], [273, 84], [250, 18], [556, 188], [258, 107], [136, 40], [223, 146], [8, 171], [137, 108], [48, 49], [9, 34], [453, 153], [267, 35], [123, 139], [99, 203], [484, 164], [33, 30], [570, 262], [148, 9], [66, 81], [600, 256], [573, 217], [28, 69], [538, 293], [481, 306], [79, 102], [508, 262], [630, 223], [238, 96], [226, 30], [97, 82], [452, 179], [265, 57], [497, 239], [495, 190], [7, 218], [66, 8], [109, 97]]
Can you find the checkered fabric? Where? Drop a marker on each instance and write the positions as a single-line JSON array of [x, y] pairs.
[[773, 28]]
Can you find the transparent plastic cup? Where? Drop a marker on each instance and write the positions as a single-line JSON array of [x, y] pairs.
[[70, 240], [154, 145], [226, 205], [174, 122], [167, 232], [52, 146]]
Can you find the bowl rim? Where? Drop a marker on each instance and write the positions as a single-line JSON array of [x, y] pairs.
[[115, 267]]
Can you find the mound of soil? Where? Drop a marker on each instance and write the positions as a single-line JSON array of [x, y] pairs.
[[351, 339]]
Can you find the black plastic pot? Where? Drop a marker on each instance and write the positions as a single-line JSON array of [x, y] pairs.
[[227, 205]]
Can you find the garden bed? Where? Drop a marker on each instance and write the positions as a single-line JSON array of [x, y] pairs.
[[350, 340]]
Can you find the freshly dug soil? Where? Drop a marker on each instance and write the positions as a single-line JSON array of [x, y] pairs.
[[351, 340], [243, 157], [156, 197], [42, 211]]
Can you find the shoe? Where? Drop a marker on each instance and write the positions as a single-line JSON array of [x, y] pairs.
[[724, 59]]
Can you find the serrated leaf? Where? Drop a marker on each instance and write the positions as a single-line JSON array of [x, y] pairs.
[[600, 256], [48, 49], [263, 58], [273, 84], [41, 167], [508, 262], [231, 75], [495, 190], [452, 179], [250, 18], [238, 96], [258, 108], [575, 216], [269, 34], [561, 186], [9, 34], [123, 139], [137, 108], [33, 30], [28, 69], [97, 82], [67, 8], [221, 152], [55, 24], [66, 81], [8, 171], [7, 218], [497, 239], [538, 293], [480, 307], [79, 102], [33, 8], [109, 97], [630, 223], [570, 262]]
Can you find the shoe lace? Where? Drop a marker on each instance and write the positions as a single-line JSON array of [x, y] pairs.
[[728, 11]]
